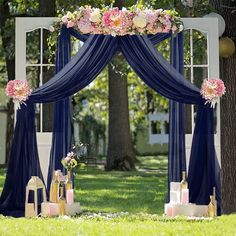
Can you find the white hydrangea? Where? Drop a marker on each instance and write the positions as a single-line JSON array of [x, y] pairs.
[[140, 20], [95, 16]]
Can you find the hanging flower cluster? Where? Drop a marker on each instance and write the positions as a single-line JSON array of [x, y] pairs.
[[19, 91], [69, 162], [88, 20], [212, 89]]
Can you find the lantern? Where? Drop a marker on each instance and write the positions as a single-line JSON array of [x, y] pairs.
[[226, 47], [35, 183]]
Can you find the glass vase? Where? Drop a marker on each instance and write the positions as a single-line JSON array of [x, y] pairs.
[[183, 184], [68, 182], [54, 189], [62, 202], [211, 207]]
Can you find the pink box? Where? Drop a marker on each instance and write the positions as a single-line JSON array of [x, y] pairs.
[[50, 209]]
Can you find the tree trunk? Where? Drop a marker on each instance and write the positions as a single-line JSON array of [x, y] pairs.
[[120, 154], [7, 41], [228, 113], [47, 7], [120, 150]]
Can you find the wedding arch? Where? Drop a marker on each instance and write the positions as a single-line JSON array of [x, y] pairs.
[[75, 74]]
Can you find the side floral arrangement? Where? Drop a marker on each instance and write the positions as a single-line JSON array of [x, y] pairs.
[[19, 91], [212, 89]]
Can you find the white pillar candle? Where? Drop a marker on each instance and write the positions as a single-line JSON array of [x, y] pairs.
[[70, 196], [174, 197], [185, 196], [169, 209], [175, 186]]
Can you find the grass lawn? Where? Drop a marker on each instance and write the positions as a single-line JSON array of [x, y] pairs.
[[119, 203]]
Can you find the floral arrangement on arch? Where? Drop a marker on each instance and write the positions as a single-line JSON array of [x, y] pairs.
[[113, 21], [19, 91], [69, 162], [212, 89]]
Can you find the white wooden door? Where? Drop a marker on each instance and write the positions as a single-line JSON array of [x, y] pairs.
[[33, 67], [206, 28]]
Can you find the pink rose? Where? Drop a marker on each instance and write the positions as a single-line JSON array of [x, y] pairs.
[[220, 87], [70, 24]]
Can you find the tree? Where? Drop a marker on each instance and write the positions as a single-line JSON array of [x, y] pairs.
[[47, 9], [120, 154], [120, 148], [7, 42], [228, 110]]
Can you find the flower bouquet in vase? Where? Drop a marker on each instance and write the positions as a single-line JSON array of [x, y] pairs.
[[69, 162]]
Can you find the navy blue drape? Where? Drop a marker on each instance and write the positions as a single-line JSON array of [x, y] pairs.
[[62, 123], [23, 163], [165, 79], [176, 147], [155, 71]]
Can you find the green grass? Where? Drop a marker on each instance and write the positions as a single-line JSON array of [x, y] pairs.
[[119, 203], [132, 192], [153, 163], [132, 225], [2, 177]]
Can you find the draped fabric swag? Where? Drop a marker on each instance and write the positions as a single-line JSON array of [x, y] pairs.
[[163, 77]]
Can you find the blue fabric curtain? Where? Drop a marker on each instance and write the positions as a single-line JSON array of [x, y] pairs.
[[176, 147], [23, 163], [62, 123], [155, 71], [149, 64]]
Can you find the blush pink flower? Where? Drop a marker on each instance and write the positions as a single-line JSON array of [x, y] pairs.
[[212, 89], [116, 21], [10, 88], [174, 28], [85, 26], [220, 87], [70, 24], [151, 16], [18, 90]]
